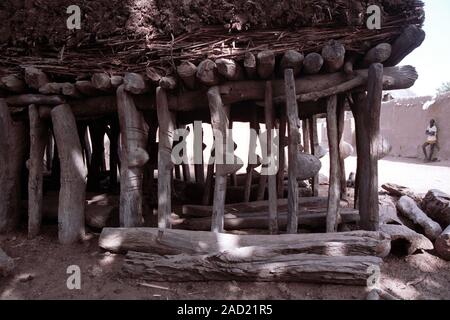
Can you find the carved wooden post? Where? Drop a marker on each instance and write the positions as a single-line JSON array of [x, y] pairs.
[[293, 149], [334, 186], [72, 194], [219, 123], [38, 141], [341, 125], [272, 178], [314, 150], [166, 120], [133, 158], [13, 145]]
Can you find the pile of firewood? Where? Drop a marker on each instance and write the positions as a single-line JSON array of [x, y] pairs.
[[424, 222]]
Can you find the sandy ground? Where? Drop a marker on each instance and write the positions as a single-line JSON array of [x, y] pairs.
[[42, 263]]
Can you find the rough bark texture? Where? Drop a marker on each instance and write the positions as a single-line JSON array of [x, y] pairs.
[[409, 209], [133, 157], [200, 242], [442, 244], [245, 265], [409, 240], [13, 146], [72, 194], [436, 204], [38, 141], [165, 165]]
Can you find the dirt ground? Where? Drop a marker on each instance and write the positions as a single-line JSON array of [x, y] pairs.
[[41, 264], [41, 273]]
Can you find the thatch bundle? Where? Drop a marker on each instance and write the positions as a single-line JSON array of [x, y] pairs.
[[119, 36]]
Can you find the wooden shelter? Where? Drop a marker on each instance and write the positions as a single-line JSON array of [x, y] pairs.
[[134, 72]]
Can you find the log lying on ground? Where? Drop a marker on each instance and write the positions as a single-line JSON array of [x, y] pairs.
[[200, 242], [404, 240], [242, 221], [244, 265], [436, 204], [35, 78], [37, 99], [13, 83], [207, 73], [442, 244], [135, 83], [187, 71], [265, 64], [6, 264], [333, 54], [313, 63], [199, 211], [72, 194], [409, 209], [400, 191], [102, 82], [411, 38], [13, 146]]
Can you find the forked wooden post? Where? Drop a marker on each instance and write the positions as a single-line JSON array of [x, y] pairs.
[[272, 178], [220, 124], [334, 186], [39, 132], [72, 195], [166, 120], [293, 149], [13, 145], [133, 158], [314, 151]]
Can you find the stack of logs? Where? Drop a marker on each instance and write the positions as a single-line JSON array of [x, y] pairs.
[[320, 83], [422, 221]]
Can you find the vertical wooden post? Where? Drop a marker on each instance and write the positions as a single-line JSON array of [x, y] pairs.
[[293, 149], [209, 179], [72, 194], [220, 124], [306, 137], [97, 132], [334, 188], [38, 141], [251, 155], [113, 152], [272, 178], [281, 162], [133, 158], [199, 169], [368, 173], [13, 145], [341, 124], [314, 150], [166, 121]]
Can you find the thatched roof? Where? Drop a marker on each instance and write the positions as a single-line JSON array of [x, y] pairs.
[[130, 35]]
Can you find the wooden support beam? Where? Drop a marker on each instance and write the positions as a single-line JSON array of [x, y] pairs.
[[229, 69], [292, 59], [334, 185], [13, 145], [312, 121], [133, 157], [313, 63], [342, 100], [187, 71], [168, 83], [35, 78], [293, 149], [207, 73], [377, 54], [272, 178], [72, 194], [102, 82], [135, 83], [282, 154], [265, 64], [411, 38], [251, 156], [305, 136], [220, 125], [39, 133], [166, 120], [333, 54], [37, 99], [250, 65], [369, 114]]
